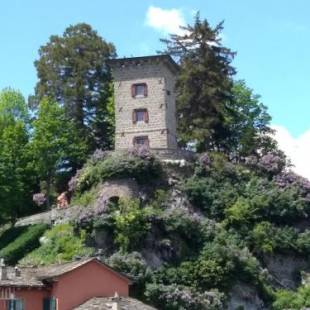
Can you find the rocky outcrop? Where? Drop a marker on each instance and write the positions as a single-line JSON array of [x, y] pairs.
[[243, 296], [285, 269]]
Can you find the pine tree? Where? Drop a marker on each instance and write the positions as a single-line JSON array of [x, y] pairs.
[[204, 86]]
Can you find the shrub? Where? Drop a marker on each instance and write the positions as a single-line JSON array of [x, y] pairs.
[[117, 165], [86, 198], [298, 300], [61, 244], [131, 224], [210, 195], [174, 297], [24, 243], [9, 233], [134, 266]]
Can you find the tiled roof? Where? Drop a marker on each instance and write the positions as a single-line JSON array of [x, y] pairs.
[[34, 276], [108, 303], [27, 278]]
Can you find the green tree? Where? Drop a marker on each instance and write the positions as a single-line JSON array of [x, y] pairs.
[[204, 85], [55, 145], [16, 179], [12, 108], [72, 70], [249, 123]]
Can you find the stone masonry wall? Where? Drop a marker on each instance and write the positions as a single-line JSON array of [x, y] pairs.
[[160, 105]]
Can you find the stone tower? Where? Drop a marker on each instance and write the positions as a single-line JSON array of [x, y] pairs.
[[144, 89]]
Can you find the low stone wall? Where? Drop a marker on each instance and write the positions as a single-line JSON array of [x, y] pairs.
[[40, 218], [121, 188]]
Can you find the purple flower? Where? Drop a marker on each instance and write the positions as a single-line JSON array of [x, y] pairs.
[[98, 155], [72, 184], [141, 151], [291, 178], [39, 199], [272, 163], [204, 160]]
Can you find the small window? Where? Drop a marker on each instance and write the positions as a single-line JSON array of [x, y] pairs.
[[140, 115], [139, 90], [14, 304], [142, 140]]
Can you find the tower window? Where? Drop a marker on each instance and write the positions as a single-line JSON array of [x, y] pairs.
[[140, 115], [139, 90], [141, 140]]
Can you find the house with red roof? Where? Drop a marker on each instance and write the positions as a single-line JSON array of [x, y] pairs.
[[64, 287]]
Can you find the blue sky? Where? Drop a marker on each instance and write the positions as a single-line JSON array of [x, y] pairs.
[[271, 39]]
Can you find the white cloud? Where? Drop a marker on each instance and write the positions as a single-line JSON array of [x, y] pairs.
[[165, 20], [297, 149]]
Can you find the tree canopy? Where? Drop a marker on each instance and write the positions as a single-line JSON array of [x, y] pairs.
[[72, 70]]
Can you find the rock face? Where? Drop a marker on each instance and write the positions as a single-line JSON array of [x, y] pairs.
[[243, 296], [285, 269], [120, 188]]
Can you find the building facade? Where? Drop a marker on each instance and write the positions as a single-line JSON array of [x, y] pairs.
[[59, 287], [144, 89]]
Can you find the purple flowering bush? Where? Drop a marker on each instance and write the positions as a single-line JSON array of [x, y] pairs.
[[141, 151], [271, 163], [175, 297], [39, 199]]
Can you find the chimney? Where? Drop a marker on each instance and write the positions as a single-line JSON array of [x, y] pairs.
[[3, 270]]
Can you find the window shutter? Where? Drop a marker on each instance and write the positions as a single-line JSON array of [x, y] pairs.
[[145, 90], [133, 90], [146, 116], [134, 116], [46, 304], [53, 304], [19, 305]]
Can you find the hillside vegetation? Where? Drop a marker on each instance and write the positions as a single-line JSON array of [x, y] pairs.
[[187, 244]]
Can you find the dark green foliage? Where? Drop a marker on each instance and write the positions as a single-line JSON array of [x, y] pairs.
[[134, 267], [249, 122], [55, 145], [204, 84], [118, 165], [213, 111], [16, 176], [9, 233], [72, 71], [23, 241]]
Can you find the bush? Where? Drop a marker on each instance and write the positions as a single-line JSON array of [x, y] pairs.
[[131, 225], [292, 300], [117, 165], [133, 266], [174, 297], [210, 195], [60, 244], [23, 244]]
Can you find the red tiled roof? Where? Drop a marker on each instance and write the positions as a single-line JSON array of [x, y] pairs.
[[35, 276]]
